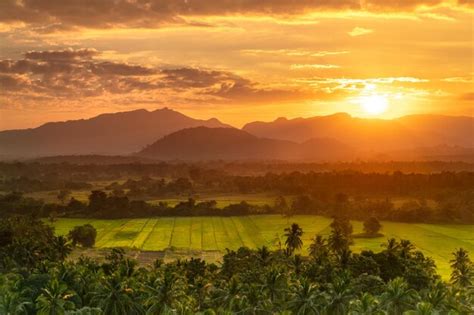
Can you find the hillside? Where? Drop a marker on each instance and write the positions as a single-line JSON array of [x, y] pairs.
[[116, 133], [203, 143]]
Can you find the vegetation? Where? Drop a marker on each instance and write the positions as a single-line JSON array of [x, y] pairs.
[[396, 280], [84, 235], [208, 237]]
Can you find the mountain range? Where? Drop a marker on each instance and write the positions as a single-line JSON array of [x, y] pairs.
[[167, 134], [108, 134], [403, 133]]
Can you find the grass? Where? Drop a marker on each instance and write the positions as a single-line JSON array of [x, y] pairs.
[[210, 234]]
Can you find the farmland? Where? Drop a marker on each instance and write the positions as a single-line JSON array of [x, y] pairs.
[[212, 235]]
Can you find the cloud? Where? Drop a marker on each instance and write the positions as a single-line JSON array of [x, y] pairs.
[[466, 79], [72, 74], [313, 66], [66, 54], [358, 31], [293, 52], [53, 15]]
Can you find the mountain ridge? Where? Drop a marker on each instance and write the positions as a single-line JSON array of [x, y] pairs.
[[109, 133]]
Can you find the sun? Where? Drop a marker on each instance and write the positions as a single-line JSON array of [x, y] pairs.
[[374, 104]]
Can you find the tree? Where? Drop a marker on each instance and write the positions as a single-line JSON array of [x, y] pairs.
[[306, 298], [462, 274], [165, 294], [318, 249], [54, 299], [293, 237], [84, 235], [343, 224], [397, 297], [63, 195], [372, 226], [338, 241], [114, 296], [281, 207], [62, 247]]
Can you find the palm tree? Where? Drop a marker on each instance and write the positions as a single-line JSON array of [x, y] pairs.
[[275, 285], [436, 295], [229, 295], [62, 247], [12, 303], [340, 294], [54, 299], [306, 299], [462, 274], [338, 242], [405, 248], [318, 248], [263, 255], [391, 246], [397, 297], [115, 298], [365, 305], [422, 308], [165, 294], [293, 237]]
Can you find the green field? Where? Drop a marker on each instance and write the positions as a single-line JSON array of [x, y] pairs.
[[219, 233]]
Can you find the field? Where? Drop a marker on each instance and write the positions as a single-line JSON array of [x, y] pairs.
[[212, 235]]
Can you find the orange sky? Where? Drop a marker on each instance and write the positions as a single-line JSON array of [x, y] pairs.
[[238, 61]]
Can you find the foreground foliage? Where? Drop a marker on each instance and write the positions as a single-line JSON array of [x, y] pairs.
[[332, 280]]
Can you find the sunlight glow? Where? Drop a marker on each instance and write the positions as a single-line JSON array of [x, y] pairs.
[[374, 104]]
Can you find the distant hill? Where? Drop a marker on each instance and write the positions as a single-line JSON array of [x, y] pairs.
[[404, 133], [117, 133], [203, 143]]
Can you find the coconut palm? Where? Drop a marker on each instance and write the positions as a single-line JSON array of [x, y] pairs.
[[406, 247], [275, 285], [54, 299], [62, 247], [463, 272], [340, 293], [306, 299], [12, 303], [114, 297], [422, 308], [293, 237], [165, 294], [397, 297], [337, 241], [318, 248], [365, 305]]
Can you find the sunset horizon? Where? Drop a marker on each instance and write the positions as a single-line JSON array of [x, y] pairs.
[[239, 61]]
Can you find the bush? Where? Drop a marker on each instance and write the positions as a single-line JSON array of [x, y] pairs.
[[372, 226], [84, 235]]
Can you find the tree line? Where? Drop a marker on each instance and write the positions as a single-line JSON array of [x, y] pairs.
[[117, 204]]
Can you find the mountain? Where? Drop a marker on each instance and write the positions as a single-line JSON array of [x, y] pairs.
[[116, 133], [204, 143], [407, 132]]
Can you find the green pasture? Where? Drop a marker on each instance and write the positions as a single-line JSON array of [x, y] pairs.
[[218, 233]]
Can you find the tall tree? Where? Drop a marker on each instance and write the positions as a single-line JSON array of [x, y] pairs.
[[463, 271], [293, 237]]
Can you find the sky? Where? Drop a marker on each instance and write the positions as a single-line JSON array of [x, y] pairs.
[[236, 60]]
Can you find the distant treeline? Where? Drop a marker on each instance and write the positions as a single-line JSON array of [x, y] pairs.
[[321, 185], [72, 169], [450, 208]]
